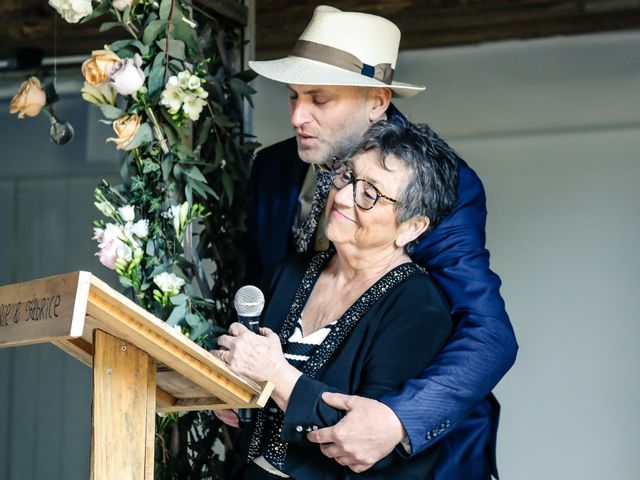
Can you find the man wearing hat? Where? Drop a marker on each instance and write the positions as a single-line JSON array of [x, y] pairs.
[[340, 77]]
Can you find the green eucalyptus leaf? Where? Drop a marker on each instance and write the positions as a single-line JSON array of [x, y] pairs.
[[167, 165], [177, 314], [126, 46], [153, 30], [200, 329], [108, 26], [183, 31], [205, 130], [165, 9], [150, 249], [142, 136], [178, 171], [126, 15], [246, 75], [196, 174], [101, 9], [179, 299], [193, 319], [158, 270], [223, 121], [176, 48], [241, 87], [156, 75], [203, 189], [111, 112], [227, 183], [219, 157], [188, 193], [172, 136], [125, 282]]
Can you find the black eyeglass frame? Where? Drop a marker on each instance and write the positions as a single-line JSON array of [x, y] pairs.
[[338, 168]]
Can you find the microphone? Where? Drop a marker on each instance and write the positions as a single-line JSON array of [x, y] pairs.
[[248, 302]]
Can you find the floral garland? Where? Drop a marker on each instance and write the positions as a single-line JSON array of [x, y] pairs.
[[176, 111], [175, 101]]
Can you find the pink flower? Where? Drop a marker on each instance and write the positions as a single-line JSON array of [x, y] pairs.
[[108, 253]]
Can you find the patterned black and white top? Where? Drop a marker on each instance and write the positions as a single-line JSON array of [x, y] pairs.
[[298, 350]]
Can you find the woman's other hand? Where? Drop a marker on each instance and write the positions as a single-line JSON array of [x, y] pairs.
[[228, 417]]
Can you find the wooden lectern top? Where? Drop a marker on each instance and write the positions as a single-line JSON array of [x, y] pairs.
[[66, 310]]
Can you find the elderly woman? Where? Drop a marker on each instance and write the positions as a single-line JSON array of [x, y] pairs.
[[360, 318]]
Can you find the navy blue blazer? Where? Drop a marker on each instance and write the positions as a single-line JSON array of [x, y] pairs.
[[450, 401]]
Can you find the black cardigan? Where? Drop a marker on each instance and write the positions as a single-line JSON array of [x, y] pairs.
[[391, 343]]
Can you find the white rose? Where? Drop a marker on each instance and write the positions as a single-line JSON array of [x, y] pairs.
[[128, 213], [126, 75], [169, 283], [121, 4], [141, 228], [72, 10]]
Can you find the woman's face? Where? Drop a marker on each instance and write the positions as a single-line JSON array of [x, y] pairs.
[[376, 228]]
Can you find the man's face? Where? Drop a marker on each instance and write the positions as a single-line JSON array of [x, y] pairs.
[[326, 119]]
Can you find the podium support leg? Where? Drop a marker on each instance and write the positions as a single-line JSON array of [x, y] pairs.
[[123, 411]]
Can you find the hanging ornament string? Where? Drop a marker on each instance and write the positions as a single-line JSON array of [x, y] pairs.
[[60, 133], [55, 52]]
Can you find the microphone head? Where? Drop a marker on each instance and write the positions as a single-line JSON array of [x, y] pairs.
[[249, 301]]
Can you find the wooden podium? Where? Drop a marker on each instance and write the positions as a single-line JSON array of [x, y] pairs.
[[140, 365]]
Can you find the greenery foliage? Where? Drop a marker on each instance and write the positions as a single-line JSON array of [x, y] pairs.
[[173, 230]]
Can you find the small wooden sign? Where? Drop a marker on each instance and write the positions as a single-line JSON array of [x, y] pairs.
[[43, 310]]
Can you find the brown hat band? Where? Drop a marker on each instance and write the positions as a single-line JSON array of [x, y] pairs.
[[341, 59]]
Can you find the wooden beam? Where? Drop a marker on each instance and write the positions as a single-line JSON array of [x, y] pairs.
[[124, 409], [433, 23], [229, 10]]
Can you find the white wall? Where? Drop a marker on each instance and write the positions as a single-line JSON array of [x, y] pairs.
[[553, 128]]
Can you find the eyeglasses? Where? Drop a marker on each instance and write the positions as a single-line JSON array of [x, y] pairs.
[[365, 194]]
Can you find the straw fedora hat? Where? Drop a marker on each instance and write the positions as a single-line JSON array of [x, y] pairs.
[[341, 48]]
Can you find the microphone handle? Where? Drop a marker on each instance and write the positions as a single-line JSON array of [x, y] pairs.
[[252, 323], [246, 415]]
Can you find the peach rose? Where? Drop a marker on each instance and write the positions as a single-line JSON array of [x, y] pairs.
[[126, 128], [96, 69], [30, 98]]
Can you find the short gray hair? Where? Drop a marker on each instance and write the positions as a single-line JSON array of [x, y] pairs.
[[433, 182]]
